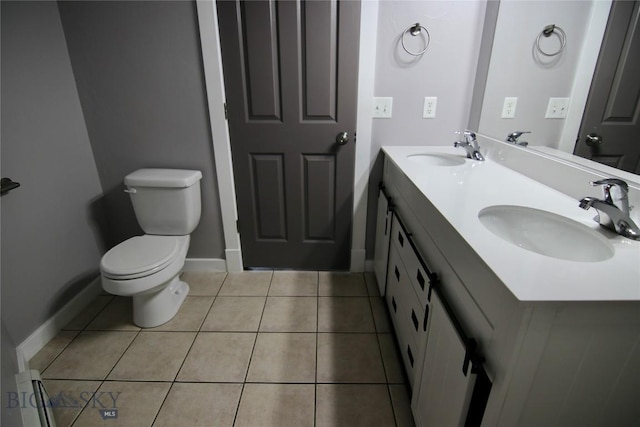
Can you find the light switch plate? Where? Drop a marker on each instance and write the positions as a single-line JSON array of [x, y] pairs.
[[557, 108], [509, 107], [429, 108], [382, 107]]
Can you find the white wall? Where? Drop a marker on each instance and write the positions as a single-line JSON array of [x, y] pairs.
[[446, 70], [515, 70]]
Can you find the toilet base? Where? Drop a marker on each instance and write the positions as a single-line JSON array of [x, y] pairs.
[[154, 308]]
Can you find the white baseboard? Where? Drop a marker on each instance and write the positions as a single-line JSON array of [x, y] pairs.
[[234, 259], [204, 264], [50, 328], [357, 260], [368, 266]]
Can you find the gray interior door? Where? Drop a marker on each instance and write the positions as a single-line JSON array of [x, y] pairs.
[[610, 130], [290, 72]]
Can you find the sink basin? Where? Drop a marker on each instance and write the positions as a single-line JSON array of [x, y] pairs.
[[546, 233], [437, 159]]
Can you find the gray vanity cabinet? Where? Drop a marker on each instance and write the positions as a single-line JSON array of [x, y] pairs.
[[383, 232]]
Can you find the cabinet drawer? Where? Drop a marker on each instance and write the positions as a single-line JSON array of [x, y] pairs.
[[419, 276]]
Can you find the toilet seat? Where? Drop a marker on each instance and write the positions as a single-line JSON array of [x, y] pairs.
[[139, 256]]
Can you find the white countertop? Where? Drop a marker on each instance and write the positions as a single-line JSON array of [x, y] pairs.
[[460, 192]]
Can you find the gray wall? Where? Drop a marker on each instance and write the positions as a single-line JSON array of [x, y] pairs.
[[51, 244], [138, 69], [446, 70]]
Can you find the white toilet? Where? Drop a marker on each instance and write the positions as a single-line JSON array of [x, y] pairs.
[[167, 205]]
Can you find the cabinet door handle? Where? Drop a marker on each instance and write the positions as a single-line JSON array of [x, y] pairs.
[[410, 355], [414, 319], [397, 273], [400, 239], [426, 317], [393, 303], [420, 278]]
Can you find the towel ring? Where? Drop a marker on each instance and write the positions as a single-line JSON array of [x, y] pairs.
[[547, 31], [415, 30]]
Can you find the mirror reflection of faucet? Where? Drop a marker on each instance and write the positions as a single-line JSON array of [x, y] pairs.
[[614, 215], [470, 144], [513, 138]]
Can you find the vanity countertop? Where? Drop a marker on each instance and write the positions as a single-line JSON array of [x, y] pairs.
[[461, 192]]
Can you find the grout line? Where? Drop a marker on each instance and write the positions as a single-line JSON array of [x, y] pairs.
[[163, 402]]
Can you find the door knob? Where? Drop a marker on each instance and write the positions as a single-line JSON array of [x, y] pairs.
[[342, 138], [594, 140]]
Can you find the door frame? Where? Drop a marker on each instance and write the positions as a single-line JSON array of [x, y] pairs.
[[214, 80]]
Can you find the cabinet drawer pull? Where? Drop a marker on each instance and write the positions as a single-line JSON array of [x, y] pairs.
[[410, 355], [393, 303], [420, 278], [397, 273], [400, 239], [414, 319], [426, 317]]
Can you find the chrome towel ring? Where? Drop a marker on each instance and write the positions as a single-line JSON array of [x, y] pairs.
[[415, 30], [547, 32]]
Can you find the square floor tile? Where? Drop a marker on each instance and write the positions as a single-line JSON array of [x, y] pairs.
[[401, 402], [91, 355], [116, 316], [341, 284], [380, 315], [276, 405], [190, 316], [246, 283], [199, 404], [290, 314], [204, 283], [51, 350], [137, 404], [372, 284], [349, 358], [294, 284], [153, 356], [218, 357], [345, 314], [68, 398], [353, 405], [391, 359], [234, 314], [284, 358], [88, 313]]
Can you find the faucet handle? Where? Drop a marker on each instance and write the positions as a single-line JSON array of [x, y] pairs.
[[513, 136], [608, 182]]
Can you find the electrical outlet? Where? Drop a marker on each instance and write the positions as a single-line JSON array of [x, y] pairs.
[[429, 108], [382, 107], [509, 107], [557, 108]]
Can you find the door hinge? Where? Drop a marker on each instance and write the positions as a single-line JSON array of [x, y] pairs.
[[226, 112], [238, 225]]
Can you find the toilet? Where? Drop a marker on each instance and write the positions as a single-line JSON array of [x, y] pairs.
[[147, 268]]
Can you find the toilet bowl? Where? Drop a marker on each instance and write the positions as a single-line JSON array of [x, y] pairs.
[[147, 268]]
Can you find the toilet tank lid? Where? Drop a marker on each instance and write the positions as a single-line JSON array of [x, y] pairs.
[[167, 178]]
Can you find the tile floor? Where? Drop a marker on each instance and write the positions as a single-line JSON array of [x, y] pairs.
[[246, 349]]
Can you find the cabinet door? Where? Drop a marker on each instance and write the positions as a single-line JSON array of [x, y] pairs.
[[383, 230], [444, 390]]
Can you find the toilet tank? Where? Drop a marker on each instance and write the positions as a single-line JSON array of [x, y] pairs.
[[165, 201]]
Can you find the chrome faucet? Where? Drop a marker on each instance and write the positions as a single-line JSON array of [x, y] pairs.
[[513, 138], [470, 144], [612, 215]]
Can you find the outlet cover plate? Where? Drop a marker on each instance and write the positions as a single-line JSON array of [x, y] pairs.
[[557, 108], [382, 107], [429, 108], [509, 107]]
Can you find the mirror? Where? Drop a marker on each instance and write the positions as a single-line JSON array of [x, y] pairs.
[[517, 69]]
